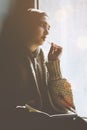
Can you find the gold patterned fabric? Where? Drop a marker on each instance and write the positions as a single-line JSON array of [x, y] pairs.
[[60, 90], [63, 92]]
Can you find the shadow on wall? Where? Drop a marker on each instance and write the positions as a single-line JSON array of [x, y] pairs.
[[16, 8]]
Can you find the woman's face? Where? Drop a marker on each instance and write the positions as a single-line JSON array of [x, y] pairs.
[[40, 30]]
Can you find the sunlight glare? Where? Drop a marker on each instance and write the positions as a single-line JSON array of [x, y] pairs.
[[82, 42]]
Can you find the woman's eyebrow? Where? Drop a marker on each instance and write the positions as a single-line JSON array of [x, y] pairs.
[[46, 23]]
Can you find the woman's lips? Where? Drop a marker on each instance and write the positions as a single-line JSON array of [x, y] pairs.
[[44, 37]]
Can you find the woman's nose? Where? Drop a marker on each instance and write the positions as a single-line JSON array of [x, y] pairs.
[[46, 31]]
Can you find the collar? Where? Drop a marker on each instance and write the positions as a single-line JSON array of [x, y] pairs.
[[34, 54]]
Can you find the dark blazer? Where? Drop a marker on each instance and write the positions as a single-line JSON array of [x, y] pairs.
[[17, 82]]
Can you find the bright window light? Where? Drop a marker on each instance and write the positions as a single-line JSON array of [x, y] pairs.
[[69, 29]]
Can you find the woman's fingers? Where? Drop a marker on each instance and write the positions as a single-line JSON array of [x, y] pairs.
[[54, 52]]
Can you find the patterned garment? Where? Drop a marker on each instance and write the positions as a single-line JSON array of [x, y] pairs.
[[64, 94], [60, 89]]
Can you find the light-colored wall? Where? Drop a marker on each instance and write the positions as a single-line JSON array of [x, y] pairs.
[[5, 6]]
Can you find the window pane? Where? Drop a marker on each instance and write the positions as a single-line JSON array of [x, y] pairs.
[[69, 29]]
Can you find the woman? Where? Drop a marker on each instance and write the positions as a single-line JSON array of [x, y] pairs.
[[30, 80], [27, 81]]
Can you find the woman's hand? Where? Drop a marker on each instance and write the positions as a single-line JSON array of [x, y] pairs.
[[54, 52]]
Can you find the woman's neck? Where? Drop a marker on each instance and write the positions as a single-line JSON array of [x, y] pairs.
[[32, 47]]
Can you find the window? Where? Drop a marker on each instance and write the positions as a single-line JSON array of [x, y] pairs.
[[69, 29]]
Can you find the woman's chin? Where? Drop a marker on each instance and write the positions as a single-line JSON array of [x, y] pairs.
[[41, 42]]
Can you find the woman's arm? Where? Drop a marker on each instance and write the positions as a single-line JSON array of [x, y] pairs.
[[60, 90]]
